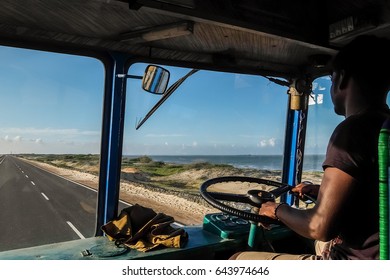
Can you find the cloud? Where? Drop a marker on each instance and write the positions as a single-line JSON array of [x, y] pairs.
[[316, 99], [19, 139], [13, 139], [48, 140], [48, 131], [317, 86], [267, 143]]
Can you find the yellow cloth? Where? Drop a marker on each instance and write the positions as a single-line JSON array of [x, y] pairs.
[[143, 229]]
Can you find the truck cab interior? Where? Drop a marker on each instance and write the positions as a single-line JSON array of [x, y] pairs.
[[289, 44]]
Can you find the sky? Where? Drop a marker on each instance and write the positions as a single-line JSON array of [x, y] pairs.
[[52, 103], [220, 113]]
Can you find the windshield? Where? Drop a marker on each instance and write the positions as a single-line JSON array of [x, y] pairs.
[[215, 124]]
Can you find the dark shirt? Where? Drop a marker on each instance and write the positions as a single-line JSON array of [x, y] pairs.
[[353, 148]]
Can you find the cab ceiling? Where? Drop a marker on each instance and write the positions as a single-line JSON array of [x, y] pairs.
[[275, 37]]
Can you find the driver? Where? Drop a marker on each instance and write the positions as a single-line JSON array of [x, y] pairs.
[[346, 213]]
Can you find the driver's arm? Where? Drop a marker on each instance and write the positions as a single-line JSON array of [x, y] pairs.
[[320, 222]]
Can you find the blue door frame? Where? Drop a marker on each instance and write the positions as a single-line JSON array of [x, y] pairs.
[[112, 140], [294, 150]]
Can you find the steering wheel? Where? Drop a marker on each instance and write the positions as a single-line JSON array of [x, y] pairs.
[[253, 197]]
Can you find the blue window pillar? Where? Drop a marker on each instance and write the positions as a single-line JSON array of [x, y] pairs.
[[294, 149], [112, 140]]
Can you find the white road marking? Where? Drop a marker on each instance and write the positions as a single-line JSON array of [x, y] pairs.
[[75, 230], [44, 196], [26, 176], [32, 183], [81, 185]]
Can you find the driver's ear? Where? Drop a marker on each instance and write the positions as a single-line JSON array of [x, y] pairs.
[[343, 79]]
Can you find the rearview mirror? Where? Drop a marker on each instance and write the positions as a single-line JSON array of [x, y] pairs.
[[155, 79]]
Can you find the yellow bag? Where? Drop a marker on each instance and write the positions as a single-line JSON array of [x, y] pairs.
[[143, 229]]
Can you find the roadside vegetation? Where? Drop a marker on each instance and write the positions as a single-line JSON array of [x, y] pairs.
[[143, 170]]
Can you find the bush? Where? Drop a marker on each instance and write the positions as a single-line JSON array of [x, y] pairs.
[[144, 159]]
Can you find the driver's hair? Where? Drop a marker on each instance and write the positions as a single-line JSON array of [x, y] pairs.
[[366, 59]]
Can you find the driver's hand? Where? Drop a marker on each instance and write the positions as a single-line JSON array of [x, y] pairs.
[[268, 209], [306, 188]]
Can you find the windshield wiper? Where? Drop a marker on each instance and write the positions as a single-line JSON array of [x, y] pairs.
[[166, 95]]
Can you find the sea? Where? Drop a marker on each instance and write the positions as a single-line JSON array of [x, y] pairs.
[[263, 162]]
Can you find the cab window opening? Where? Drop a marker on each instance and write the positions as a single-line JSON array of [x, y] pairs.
[[50, 132], [213, 124]]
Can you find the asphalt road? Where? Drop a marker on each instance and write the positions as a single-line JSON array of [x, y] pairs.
[[38, 207]]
